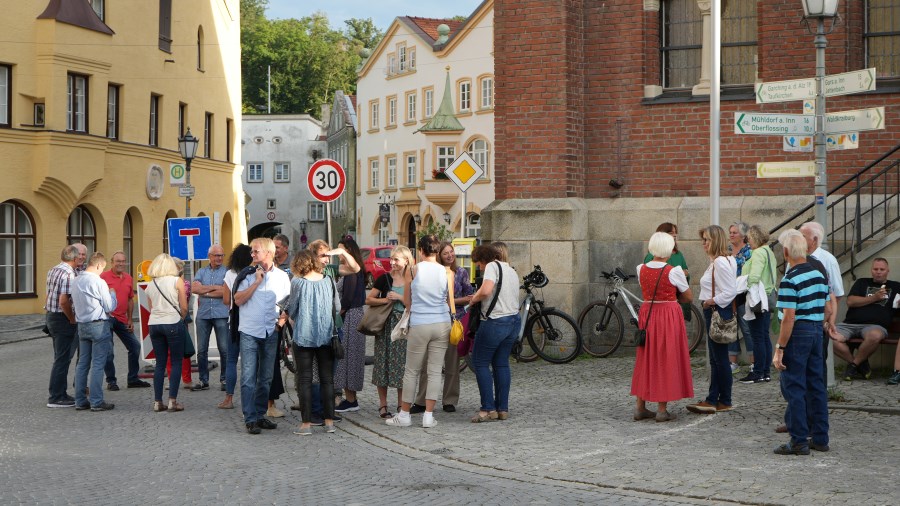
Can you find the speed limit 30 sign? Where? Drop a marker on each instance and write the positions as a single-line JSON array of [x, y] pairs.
[[326, 180]]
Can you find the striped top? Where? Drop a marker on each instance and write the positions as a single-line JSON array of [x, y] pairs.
[[805, 290]]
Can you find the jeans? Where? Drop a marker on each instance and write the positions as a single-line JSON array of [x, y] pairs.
[[720, 380], [95, 342], [734, 349], [325, 357], [168, 341], [234, 352], [134, 352], [803, 385], [762, 343], [204, 326], [257, 367], [63, 334], [493, 343]]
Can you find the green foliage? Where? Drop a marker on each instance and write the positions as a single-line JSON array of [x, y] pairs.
[[309, 60], [437, 229]]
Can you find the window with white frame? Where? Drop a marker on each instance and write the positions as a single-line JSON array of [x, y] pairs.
[[429, 103], [282, 172], [207, 135], [411, 107], [17, 250], [412, 58], [373, 174], [465, 95], [316, 211], [99, 8], [76, 113], [254, 172], [410, 170], [5, 94], [373, 114], [384, 235], [487, 93], [112, 112], [401, 56], [681, 44], [392, 172], [392, 111], [480, 152], [473, 225], [391, 64], [154, 121], [882, 36], [445, 157]]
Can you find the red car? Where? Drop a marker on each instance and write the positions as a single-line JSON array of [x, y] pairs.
[[378, 262]]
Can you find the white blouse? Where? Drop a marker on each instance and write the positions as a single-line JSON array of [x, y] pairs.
[[676, 275], [726, 281]]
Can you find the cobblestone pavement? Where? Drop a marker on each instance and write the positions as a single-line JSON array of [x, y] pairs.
[[569, 439]]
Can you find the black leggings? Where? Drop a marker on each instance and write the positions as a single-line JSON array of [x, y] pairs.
[[325, 357]]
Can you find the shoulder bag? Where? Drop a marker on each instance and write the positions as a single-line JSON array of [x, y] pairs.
[[336, 346], [456, 328], [475, 314], [722, 331], [640, 335], [189, 349], [372, 322]]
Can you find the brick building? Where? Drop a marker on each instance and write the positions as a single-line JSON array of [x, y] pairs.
[[602, 122]]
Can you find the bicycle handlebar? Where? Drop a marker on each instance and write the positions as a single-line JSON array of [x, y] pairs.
[[616, 274]]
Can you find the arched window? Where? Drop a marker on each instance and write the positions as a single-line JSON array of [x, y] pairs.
[[480, 151], [200, 48], [81, 229], [127, 242], [17, 245], [473, 225]]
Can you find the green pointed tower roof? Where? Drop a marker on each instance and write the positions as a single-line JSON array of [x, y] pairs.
[[444, 121]]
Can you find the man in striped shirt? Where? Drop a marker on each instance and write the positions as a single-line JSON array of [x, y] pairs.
[[61, 323], [802, 298]]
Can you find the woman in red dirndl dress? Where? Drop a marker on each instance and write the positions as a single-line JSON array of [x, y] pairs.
[[662, 369]]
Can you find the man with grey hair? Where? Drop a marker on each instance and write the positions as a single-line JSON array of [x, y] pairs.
[[93, 301], [803, 305], [119, 281], [81, 259], [814, 233], [60, 320], [283, 253], [212, 314]]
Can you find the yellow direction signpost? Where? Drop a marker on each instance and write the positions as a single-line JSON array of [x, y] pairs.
[[785, 169]]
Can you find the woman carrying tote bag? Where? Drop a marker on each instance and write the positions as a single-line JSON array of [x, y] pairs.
[[718, 288]]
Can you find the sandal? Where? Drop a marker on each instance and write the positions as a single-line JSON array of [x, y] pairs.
[[479, 418], [384, 413], [175, 405]]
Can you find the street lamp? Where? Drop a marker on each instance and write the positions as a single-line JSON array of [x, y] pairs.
[[820, 10], [187, 146], [447, 218], [303, 226], [417, 219]]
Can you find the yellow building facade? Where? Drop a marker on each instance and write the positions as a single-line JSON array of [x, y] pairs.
[[94, 95]]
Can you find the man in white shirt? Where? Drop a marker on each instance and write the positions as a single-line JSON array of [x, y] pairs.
[[93, 302], [257, 296]]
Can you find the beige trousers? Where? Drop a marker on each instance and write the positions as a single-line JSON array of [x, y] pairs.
[[426, 346], [451, 379]]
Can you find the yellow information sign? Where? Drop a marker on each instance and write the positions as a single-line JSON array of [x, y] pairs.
[[785, 169]]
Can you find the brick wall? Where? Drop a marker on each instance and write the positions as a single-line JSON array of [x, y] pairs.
[[571, 115]]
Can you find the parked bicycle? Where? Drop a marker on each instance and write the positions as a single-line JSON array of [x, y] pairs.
[[602, 325]]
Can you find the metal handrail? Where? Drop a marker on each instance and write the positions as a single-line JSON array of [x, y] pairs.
[[882, 184]]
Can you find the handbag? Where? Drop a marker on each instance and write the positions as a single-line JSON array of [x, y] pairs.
[[456, 328], [475, 314], [372, 322], [337, 348], [640, 335], [401, 329], [189, 349], [722, 331]]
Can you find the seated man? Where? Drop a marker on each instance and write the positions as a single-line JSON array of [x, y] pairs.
[[870, 309]]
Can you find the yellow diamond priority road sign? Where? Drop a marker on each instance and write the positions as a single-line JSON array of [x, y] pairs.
[[464, 171]]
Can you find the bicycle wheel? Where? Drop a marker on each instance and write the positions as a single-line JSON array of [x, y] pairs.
[[559, 333], [287, 347], [696, 328], [602, 329]]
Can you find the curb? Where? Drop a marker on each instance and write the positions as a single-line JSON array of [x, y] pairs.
[[23, 339], [868, 409]]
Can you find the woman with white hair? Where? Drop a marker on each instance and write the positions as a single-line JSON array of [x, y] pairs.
[[662, 369]]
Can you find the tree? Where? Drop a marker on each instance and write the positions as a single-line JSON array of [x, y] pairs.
[[363, 33], [436, 229]]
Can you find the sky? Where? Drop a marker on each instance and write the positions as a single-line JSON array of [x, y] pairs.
[[382, 12]]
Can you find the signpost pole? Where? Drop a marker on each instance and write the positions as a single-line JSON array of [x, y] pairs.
[[715, 114], [189, 264], [328, 237], [821, 188], [462, 220]]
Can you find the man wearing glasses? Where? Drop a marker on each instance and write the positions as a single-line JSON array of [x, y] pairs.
[[211, 314], [257, 296]]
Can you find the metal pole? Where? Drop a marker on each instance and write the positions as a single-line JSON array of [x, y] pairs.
[[328, 223], [462, 224], [715, 112], [188, 264], [819, 142]]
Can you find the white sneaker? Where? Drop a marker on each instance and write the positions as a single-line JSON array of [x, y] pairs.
[[734, 368], [429, 424], [396, 421]]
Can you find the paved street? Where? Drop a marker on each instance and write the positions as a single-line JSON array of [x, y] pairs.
[[569, 439]]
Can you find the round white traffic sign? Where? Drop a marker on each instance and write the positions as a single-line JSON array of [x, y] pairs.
[[326, 180]]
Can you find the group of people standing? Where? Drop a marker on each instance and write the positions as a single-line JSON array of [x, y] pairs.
[[739, 282]]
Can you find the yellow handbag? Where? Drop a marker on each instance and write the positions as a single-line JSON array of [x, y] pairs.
[[456, 328]]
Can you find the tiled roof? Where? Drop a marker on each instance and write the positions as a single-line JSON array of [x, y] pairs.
[[429, 25]]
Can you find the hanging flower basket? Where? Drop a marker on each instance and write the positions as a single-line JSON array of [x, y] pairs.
[[438, 174]]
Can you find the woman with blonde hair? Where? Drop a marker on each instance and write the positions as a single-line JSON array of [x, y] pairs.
[[718, 288], [390, 356], [662, 368], [167, 298]]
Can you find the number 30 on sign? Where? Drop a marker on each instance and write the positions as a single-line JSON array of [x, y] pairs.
[[326, 180]]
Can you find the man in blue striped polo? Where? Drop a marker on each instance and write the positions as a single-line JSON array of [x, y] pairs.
[[802, 297]]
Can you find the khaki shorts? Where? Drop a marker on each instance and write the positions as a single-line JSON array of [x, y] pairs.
[[851, 330]]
